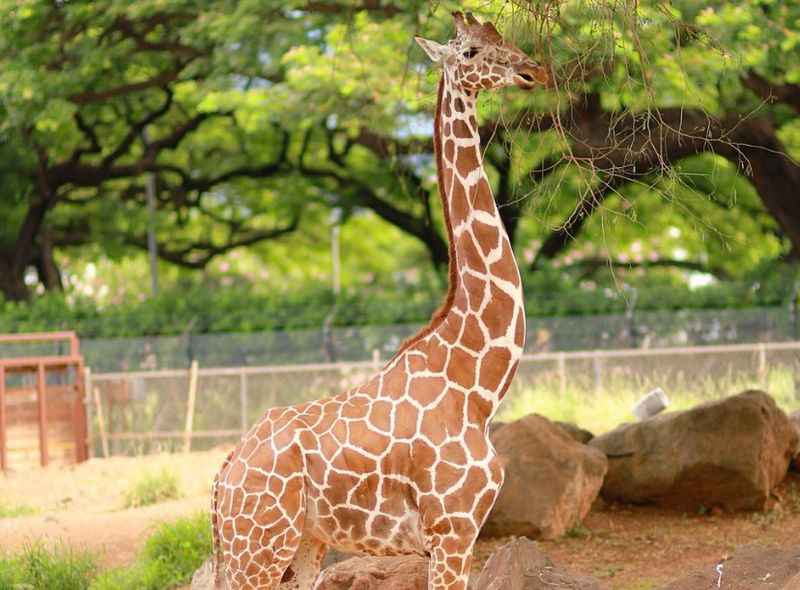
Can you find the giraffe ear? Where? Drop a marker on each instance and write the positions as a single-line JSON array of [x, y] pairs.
[[436, 51]]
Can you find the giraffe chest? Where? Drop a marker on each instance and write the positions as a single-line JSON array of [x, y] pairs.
[[382, 492], [373, 515]]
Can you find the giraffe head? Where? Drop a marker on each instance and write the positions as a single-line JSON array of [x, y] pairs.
[[479, 58]]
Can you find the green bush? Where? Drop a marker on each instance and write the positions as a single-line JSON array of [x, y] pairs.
[[211, 308], [152, 488], [14, 510], [38, 568], [169, 558]]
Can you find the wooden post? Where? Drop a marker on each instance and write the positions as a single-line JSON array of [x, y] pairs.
[[79, 416], [100, 421], [87, 404], [243, 400], [41, 387], [598, 373], [3, 456], [187, 432], [562, 374], [762, 365], [376, 358]]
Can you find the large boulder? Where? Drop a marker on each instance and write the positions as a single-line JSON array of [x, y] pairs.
[[729, 454], [795, 465], [408, 572], [579, 434], [750, 568], [551, 481], [519, 565]]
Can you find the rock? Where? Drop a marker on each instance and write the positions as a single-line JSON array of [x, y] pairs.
[[550, 483], [795, 464], [729, 453], [333, 556], [494, 426], [749, 568], [408, 572], [577, 433], [203, 578], [519, 565]]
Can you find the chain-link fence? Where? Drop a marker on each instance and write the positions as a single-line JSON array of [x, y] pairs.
[[146, 411], [647, 329]]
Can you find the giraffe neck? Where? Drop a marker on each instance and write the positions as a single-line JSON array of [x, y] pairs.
[[485, 298]]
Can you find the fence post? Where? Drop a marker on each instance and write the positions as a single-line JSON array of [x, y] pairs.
[[87, 404], [376, 358], [562, 373], [101, 421], [762, 364], [187, 432], [598, 372], [41, 390], [243, 399], [3, 435], [630, 317]]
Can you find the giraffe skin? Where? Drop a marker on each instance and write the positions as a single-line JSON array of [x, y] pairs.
[[401, 464]]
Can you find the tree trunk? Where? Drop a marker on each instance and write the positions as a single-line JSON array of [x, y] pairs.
[[45, 262], [12, 279], [775, 176], [751, 145]]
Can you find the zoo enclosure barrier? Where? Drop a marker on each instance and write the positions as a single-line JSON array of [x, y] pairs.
[[151, 411], [613, 331], [42, 414]]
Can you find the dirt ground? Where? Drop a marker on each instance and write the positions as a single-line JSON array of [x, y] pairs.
[[626, 548]]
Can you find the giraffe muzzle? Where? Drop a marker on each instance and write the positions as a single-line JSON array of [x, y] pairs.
[[530, 76]]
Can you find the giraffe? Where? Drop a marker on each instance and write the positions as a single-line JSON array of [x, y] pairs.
[[401, 464]]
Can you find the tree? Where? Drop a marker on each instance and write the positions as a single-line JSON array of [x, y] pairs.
[[257, 117], [97, 95]]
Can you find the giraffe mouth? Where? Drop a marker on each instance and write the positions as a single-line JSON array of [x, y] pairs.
[[531, 77]]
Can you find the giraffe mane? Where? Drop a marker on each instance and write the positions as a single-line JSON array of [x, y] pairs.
[[452, 279]]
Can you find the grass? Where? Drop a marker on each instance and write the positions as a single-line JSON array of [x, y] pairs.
[[601, 410], [169, 558], [15, 510], [39, 568], [153, 488]]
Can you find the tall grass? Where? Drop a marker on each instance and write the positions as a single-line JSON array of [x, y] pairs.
[[15, 510], [39, 568], [152, 488], [169, 558], [602, 409]]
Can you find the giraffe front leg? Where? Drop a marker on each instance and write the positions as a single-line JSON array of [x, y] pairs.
[[304, 570], [450, 541]]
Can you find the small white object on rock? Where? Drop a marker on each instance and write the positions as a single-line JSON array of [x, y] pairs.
[[653, 403]]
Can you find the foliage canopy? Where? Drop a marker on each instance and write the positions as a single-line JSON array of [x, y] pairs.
[[667, 144]]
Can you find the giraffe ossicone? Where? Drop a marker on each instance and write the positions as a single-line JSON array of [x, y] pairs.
[[401, 464]]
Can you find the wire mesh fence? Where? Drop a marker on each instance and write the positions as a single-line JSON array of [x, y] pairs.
[[646, 329], [146, 411]]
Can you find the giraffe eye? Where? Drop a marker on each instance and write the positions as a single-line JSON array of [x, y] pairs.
[[470, 53]]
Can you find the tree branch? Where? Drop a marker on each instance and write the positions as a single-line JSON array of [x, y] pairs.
[[198, 254], [788, 94], [590, 265]]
